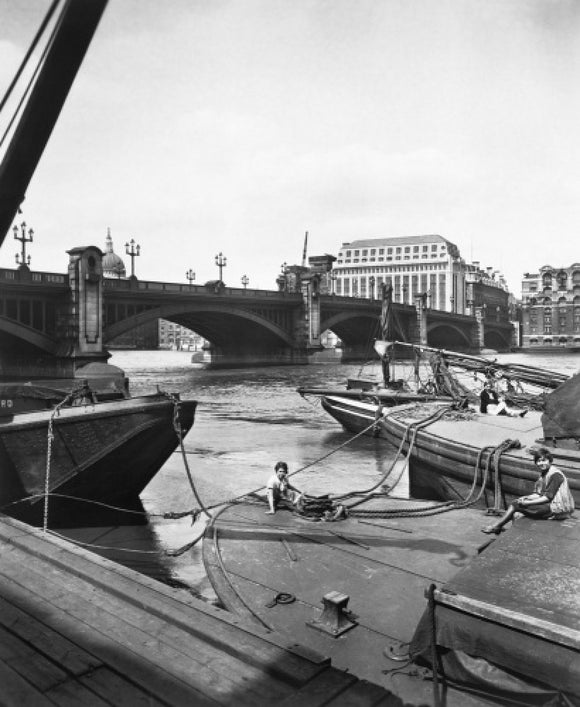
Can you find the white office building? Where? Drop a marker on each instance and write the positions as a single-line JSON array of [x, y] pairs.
[[413, 265]]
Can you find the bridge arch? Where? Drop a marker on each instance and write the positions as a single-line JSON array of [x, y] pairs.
[[447, 336], [214, 322], [28, 335], [496, 339]]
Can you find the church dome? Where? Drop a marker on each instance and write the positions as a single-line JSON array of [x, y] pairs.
[[113, 265]]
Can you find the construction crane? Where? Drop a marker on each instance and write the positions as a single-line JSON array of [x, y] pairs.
[[304, 249]]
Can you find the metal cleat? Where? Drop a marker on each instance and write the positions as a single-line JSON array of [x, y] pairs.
[[335, 618]]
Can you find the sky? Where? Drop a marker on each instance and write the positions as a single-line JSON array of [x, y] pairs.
[[198, 127]]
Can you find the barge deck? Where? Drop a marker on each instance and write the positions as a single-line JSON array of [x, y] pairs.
[[77, 629]]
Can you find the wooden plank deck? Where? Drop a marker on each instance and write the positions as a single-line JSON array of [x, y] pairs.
[[77, 629]]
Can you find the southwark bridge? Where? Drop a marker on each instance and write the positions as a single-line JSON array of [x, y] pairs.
[[52, 324]]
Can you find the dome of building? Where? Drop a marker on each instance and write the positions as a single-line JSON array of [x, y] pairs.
[[113, 265]]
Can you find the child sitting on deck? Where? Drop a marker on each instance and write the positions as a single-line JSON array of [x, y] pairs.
[[280, 490], [551, 498]]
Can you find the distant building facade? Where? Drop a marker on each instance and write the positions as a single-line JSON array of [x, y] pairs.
[[175, 336], [551, 307], [417, 265]]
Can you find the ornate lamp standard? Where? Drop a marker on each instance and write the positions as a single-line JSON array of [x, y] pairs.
[[133, 250], [190, 275], [23, 260], [372, 287], [221, 262], [245, 281]]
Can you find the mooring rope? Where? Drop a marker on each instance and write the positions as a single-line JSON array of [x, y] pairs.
[[178, 431], [50, 439]]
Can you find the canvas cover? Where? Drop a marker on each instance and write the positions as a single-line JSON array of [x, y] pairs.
[[493, 660], [561, 416]]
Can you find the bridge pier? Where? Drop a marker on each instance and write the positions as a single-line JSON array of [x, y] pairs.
[[214, 357], [357, 353], [79, 353], [478, 331]]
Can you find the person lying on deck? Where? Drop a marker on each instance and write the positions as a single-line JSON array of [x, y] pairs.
[[551, 499], [281, 491], [487, 397], [503, 409], [493, 404]]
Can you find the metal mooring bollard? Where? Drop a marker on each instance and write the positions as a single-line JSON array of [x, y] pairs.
[[334, 619]]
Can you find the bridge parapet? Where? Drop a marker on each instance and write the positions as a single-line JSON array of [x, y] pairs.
[[45, 279], [176, 288]]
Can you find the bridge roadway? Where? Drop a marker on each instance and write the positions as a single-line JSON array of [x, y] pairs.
[[39, 316]]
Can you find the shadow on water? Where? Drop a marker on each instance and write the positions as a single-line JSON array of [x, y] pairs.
[[124, 536]]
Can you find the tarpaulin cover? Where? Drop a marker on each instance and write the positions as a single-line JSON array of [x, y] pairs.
[[561, 416], [495, 659]]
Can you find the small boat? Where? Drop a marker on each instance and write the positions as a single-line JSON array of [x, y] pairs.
[[103, 450]]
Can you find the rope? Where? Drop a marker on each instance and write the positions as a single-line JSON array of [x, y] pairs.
[[177, 427], [50, 439], [432, 417]]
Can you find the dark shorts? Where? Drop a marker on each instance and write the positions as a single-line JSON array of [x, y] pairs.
[[540, 510]]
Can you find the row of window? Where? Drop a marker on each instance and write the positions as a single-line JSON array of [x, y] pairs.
[[388, 259], [560, 278], [533, 302], [405, 288], [391, 269], [365, 252]]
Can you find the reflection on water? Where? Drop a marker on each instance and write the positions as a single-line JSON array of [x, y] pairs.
[[246, 420]]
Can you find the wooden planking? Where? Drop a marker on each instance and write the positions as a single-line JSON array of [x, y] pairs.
[[18, 692], [119, 637], [75, 662], [47, 676], [328, 685], [46, 640], [211, 624], [158, 682], [195, 662]]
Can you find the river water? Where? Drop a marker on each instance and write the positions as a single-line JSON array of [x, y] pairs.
[[246, 420]]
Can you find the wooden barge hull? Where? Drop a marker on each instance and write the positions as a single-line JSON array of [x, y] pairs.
[[445, 455], [106, 452], [353, 415]]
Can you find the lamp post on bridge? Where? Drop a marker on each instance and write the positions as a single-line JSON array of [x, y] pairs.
[[221, 262], [190, 275], [133, 251], [23, 260], [245, 281]]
